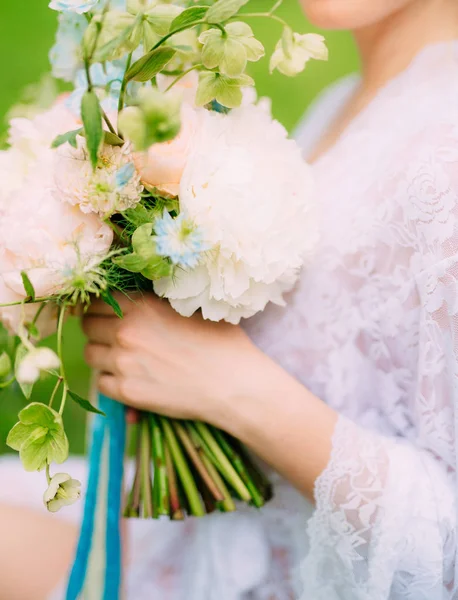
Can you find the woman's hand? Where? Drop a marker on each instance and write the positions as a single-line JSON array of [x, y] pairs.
[[153, 359], [156, 360]]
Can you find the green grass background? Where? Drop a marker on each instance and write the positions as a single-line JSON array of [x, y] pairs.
[[26, 35]]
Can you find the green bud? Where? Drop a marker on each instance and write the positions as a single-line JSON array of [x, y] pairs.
[[132, 124], [227, 91], [39, 437], [5, 365], [156, 119], [230, 51]]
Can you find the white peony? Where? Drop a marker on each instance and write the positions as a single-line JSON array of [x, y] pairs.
[[249, 191], [113, 187]]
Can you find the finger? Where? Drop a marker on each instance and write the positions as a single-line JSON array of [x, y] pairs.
[[109, 386], [100, 358], [101, 330]]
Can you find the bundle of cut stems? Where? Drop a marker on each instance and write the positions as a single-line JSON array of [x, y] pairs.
[[189, 468]]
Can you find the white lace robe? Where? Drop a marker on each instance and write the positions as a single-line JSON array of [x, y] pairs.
[[372, 329]]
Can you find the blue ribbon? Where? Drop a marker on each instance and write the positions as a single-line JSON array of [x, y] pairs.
[[103, 501]]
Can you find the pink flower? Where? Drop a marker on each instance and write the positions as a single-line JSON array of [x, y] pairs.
[[53, 242], [163, 164]]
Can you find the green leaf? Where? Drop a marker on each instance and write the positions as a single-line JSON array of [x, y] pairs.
[[112, 139], [224, 9], [5, 365], [151, 64], [131, 262], [139, 215], [91, 114], [28, 286], [143, 242], [85, 404], [189, 17], [69, 137], [21, 353], [109, 299]]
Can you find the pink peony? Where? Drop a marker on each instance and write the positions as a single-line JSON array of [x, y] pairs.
[[163, 164]]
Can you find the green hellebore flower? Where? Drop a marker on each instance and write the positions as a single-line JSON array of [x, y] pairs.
[[156, 21], [225, 90], [294, 51], [62, 491], [120, 33], [39, 437], [230, 51]]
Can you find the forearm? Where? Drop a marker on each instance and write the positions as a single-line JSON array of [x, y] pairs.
[[283, 423]]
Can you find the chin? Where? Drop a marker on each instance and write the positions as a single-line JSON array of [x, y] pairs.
[[350, 14]]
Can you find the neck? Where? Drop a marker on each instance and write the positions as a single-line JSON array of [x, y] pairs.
[[388, 47]]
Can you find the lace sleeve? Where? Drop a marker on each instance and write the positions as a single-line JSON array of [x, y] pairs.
[[385, 524]]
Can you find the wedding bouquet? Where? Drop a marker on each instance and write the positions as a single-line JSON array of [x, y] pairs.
[[160, 171]]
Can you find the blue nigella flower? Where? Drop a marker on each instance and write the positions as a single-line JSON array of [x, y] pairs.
[[179, 239], [73, 6], [106, 78], [65, 56], [124, 174]]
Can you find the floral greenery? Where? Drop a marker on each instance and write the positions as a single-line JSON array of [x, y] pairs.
[[116, 62], [19, 70]]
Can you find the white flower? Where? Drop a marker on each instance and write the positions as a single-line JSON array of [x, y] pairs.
[[36, 361], [76, 6], [105, 191], [62, 491], [248, 190], [291, 58]]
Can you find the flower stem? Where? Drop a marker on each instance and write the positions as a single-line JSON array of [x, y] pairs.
[[238, 463], [36, 301], [197, 462], [124, 83], [176, 510], [161, 483], [146, 483], [227, 504], [178, 30], [60, 354], [227, 470], [275, 7], [261, 16], [133, 502], [197, 508], [181, 75], [48, 474], [56, 388]]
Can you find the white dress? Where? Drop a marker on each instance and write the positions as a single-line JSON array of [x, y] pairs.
[[372, 329]]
